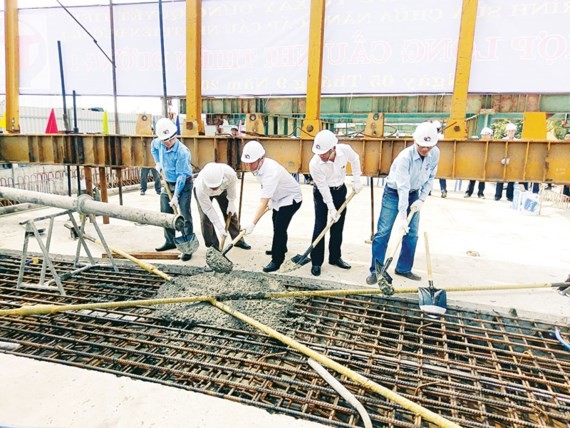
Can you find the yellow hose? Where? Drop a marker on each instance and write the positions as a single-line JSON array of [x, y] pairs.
[[339, 368]]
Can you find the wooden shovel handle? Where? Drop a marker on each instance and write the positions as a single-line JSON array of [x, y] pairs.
[[428, 258], [168, 192], [328, 226], [228, 220], [237, 238], [401, 238]]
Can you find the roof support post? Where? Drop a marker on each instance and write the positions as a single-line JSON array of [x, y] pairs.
[[12, 66], [457, 126], [193, 124], [312, 123]]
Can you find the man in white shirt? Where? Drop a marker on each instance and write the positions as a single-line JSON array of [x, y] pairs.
[[218, 181], [328, 170], [280, 192], [407, 186]]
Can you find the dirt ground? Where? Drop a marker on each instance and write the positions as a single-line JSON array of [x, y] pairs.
[[473, 242]]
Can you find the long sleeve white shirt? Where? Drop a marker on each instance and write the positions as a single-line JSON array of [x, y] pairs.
[[278, 185], [204, 193]]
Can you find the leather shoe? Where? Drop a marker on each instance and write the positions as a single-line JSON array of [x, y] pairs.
[[268, 252], [340, 263], [243, 245], [372, 279], [185, 257], [271, 267], [409, 275], [166, 247], [316, 271]]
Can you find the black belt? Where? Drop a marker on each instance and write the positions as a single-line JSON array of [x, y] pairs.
[[337, 187], [173, 183]]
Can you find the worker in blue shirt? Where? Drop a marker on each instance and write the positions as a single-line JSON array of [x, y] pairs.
[[173, 158], [407, 187]]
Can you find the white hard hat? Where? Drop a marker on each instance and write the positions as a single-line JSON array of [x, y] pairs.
[[234, 127], [165, 129], [252, 151], [324, 141], [437, 124], [426, 135], [486, 131], [511, 127], [212, 175]]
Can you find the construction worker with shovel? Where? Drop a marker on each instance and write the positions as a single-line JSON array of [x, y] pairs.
[[218, 181], [173, 159], [407, 187], [328, 169], [280, 192]]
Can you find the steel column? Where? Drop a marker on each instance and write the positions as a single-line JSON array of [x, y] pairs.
[[12, 66], [193, 123], [312, 123], [457, 127]]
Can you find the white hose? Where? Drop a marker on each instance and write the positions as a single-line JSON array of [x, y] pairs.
[[344, 393]]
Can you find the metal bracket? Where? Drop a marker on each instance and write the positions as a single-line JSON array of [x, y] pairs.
[[56, 283]]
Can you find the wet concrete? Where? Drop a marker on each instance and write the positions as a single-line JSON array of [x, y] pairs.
[[216, 261], [225, 287]]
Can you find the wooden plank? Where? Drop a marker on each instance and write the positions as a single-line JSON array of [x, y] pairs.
[[147, 255]]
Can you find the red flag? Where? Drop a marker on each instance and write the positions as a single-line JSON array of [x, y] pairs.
[[51, 127]]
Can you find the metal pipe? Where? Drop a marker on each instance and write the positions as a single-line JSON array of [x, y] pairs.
[[163, 61], [85, 205], [61, 75]]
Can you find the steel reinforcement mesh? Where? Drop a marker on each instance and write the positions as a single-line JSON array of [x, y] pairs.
[[475, 368]]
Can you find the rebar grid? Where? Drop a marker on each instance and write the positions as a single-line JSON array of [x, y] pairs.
[[477, 369]]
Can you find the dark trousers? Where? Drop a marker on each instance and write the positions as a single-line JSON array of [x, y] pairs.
[[566, 191], [144, 179], [184, 201], [208, 229], [321, 219], [443, 184], [281, 220], [510, 190], [471, 187]]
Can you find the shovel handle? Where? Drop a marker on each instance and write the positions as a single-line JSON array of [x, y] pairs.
[[428, 260], [237, 238], [328, 226], [228, 220], [168, 192], [401, 238]]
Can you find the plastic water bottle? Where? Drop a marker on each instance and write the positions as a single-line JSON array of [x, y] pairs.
[[516, 197]]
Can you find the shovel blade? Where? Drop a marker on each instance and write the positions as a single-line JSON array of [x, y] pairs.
[[187, 244], [382, 272], [432, 300], [218, 262], [300, 259]]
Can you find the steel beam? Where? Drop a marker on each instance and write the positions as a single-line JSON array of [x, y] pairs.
[[529, 160], [312, 123], [12, 66]]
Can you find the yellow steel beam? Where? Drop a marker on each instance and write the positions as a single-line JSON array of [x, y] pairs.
[[12, 66], [534, 126], [457, 126], [529, 160], [193, 124], [312, 123]]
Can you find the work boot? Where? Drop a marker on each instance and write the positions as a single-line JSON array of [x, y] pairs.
[[467, 195], [271, 267], [372, 279], [142, 192], [444, 193], [166, 246], [409, 275], [316, 271], [481, 195]]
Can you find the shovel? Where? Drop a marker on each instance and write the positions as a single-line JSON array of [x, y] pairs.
[[217, 261], [431, 300], [383, 277], [184, 244], [228, 220], [302, 259]]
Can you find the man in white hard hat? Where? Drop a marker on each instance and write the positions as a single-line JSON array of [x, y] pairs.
[[486, 134], [173, 159], [328, 170], [510, 130], [407, 187], [280, 192], [218, 181]]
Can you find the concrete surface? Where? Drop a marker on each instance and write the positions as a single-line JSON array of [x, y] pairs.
[[512, 247]]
